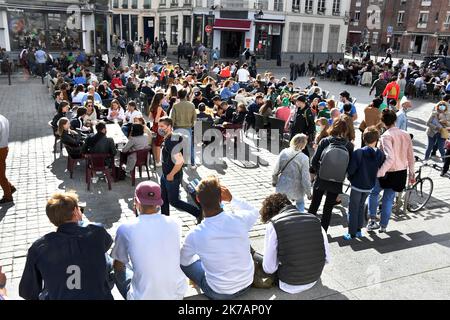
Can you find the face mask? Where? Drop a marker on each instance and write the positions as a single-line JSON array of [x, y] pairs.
[[318, 128], [162, 132], [442, 107]]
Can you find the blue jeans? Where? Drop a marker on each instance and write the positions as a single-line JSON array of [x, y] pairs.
[[170, 193], [189, 133], [123, 281], [300, 204], [386, 204], [436, 139], [356, 211], [196, 273]]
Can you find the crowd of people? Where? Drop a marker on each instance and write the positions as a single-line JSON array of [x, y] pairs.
[[150, 101]]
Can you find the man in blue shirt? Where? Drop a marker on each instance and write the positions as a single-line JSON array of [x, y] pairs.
[[402, 118], [71, 263], [91, 92], [345, 99], [81, 59], [41, 60]]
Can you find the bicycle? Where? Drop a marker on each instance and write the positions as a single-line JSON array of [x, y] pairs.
[[414, 198]]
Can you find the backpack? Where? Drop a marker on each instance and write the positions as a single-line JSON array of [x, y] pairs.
[[334, 162]]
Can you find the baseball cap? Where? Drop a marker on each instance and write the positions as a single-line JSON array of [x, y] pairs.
[[148, 193], [323, 104], [195, 89]]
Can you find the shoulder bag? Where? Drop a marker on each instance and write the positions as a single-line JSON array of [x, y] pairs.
[[276, 177]]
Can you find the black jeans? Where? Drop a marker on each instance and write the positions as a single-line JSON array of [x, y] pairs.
[[446, 162], [330, 201], [170, 193]]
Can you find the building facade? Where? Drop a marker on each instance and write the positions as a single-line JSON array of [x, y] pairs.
[[54, 25], [292, 29], [408, 26]]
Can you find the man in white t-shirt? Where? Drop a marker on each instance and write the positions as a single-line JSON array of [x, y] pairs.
[[152, 244], [243, 75], [225, 268]]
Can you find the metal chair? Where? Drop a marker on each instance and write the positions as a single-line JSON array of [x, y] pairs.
[[57, 138], [259, 124], [277, 124], [97, 162]]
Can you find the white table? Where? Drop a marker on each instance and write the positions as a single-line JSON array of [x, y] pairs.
[[114, 131]]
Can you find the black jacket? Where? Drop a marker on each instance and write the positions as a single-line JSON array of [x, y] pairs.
[[73, 143], [58, 257], [334, 187], [303, 122], [99, 143]]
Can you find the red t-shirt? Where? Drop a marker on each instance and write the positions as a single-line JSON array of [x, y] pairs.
[[116, 82]]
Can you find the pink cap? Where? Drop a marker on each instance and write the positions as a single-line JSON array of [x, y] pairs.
[[148, 193]]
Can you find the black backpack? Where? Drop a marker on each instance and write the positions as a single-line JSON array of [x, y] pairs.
[[334, 162]]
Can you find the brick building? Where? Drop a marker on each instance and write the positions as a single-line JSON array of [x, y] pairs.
[[409, 26]]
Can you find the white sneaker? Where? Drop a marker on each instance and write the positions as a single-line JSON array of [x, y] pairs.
[[193, 167], [158, 164], [373, 225]]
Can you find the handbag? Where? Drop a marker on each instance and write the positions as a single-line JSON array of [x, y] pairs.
[[276, 177], [444, 133], [447, 144]]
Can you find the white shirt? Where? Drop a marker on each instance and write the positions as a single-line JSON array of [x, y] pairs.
[[152, 242], [243, 75], [79, 97], [119, 117], [131, 115], [223, 245], [4, 132], [270, 260]]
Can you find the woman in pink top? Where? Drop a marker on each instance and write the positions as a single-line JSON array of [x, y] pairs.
[[284, 112], [392, 176]]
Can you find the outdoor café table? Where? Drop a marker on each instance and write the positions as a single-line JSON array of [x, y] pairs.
[[114, 131]]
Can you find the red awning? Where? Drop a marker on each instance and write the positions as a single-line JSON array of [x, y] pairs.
[[232, 24]]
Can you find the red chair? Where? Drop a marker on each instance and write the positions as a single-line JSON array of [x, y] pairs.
[[96, 162], [141, 160]]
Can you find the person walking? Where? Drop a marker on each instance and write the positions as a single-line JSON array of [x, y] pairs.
[[392, 176], [362, 173], [8, 188], [130, 52], [303, 121], [291, 173], [330, 162], [172, 173], [183, 115], [41, 60], [438, 129]]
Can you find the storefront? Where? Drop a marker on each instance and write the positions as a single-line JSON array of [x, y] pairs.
[[268, 38], [233, 35], [55, 25], [42, 29]]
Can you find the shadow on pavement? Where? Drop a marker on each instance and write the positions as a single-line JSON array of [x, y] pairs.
[[395, 241], [319, 291]]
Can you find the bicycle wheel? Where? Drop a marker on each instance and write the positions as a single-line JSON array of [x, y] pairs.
[[419, 194]]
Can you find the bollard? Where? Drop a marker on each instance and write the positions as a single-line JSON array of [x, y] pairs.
[[9, 73]]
